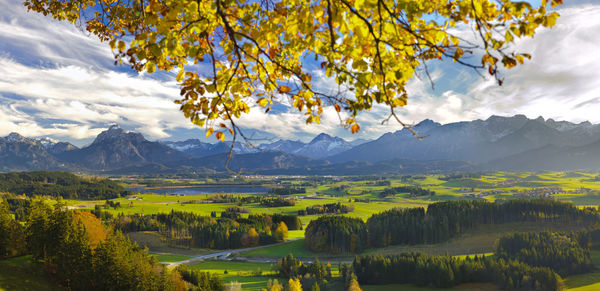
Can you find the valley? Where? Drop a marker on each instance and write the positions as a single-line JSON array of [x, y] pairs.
[[351, 196]]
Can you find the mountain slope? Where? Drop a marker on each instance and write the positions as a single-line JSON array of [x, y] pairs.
[[478, 141], [18, 153], [196, 148], [115, 148]]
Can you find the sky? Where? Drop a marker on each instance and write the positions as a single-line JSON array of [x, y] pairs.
[[57, 81]]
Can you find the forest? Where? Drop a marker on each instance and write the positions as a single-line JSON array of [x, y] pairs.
[[441, 221], [81, 253], [60, 184], [225, 232]]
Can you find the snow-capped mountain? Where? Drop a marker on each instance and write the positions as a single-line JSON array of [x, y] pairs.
[[480, 141], [54, 146], [196, 148], [20, 153], [323, 145]]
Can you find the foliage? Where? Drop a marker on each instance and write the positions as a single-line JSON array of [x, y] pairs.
[[371, 48], [294, 285], [331, 208], [60, 239], [277, 201], [290, 267], [444, 220], [60, 184], [336, 234], [12, 234], [552, 250], [412, 190], [227, 232], [281, 232], [287, 190], [446, 271], [201, 280]]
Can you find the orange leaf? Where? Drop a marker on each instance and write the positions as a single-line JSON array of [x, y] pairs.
[[355, 128], [284, 89], [220, 136]]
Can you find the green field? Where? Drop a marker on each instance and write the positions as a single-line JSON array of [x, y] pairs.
[[252, 276], [20, 274], [168, 258]]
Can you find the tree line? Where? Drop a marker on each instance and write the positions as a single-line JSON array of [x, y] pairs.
[[287, 190], [412, 190], [441, 221], [336, 234], [60, 184], [331, 208], [522, 261], [446, 271], [554, 250], [225, 232], [313, 276]]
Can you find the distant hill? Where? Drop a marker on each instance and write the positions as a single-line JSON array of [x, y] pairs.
[[63, 184], [485, 142]]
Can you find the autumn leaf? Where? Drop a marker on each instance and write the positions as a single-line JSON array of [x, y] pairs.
[[284, 89], [220, 136]]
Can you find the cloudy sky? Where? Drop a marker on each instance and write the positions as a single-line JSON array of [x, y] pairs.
[[58, 82]]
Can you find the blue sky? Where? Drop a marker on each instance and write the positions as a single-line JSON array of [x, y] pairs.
[[59, 82]]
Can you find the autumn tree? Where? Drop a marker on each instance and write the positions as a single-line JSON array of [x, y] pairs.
[[281, 232], [261, 53]]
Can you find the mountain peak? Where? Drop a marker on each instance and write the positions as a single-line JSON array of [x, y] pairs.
[[322, 137], [427, 123], [15, 137], [116, 132]]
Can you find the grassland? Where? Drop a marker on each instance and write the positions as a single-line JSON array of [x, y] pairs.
[[20, 274], [252, 276]]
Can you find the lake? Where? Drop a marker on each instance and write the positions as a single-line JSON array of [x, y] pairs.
[[201, 190]]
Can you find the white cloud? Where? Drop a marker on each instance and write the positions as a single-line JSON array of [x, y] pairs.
[[56, 80]]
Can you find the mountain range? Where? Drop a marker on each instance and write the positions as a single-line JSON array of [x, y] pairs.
[[497, 143]]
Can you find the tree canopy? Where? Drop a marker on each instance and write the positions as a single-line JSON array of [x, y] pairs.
[[232, 55]]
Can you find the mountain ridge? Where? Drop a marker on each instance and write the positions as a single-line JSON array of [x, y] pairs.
[[506, 143]]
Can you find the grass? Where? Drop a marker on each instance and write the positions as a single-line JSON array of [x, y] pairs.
[[585, 282], [475, 241], [297, 248], [153, 242], [170, 258], [252, 276], [19, 274]]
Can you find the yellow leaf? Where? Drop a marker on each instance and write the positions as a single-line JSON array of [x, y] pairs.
[[150, 67], [262, 102], [121, 46], [209, 132]]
